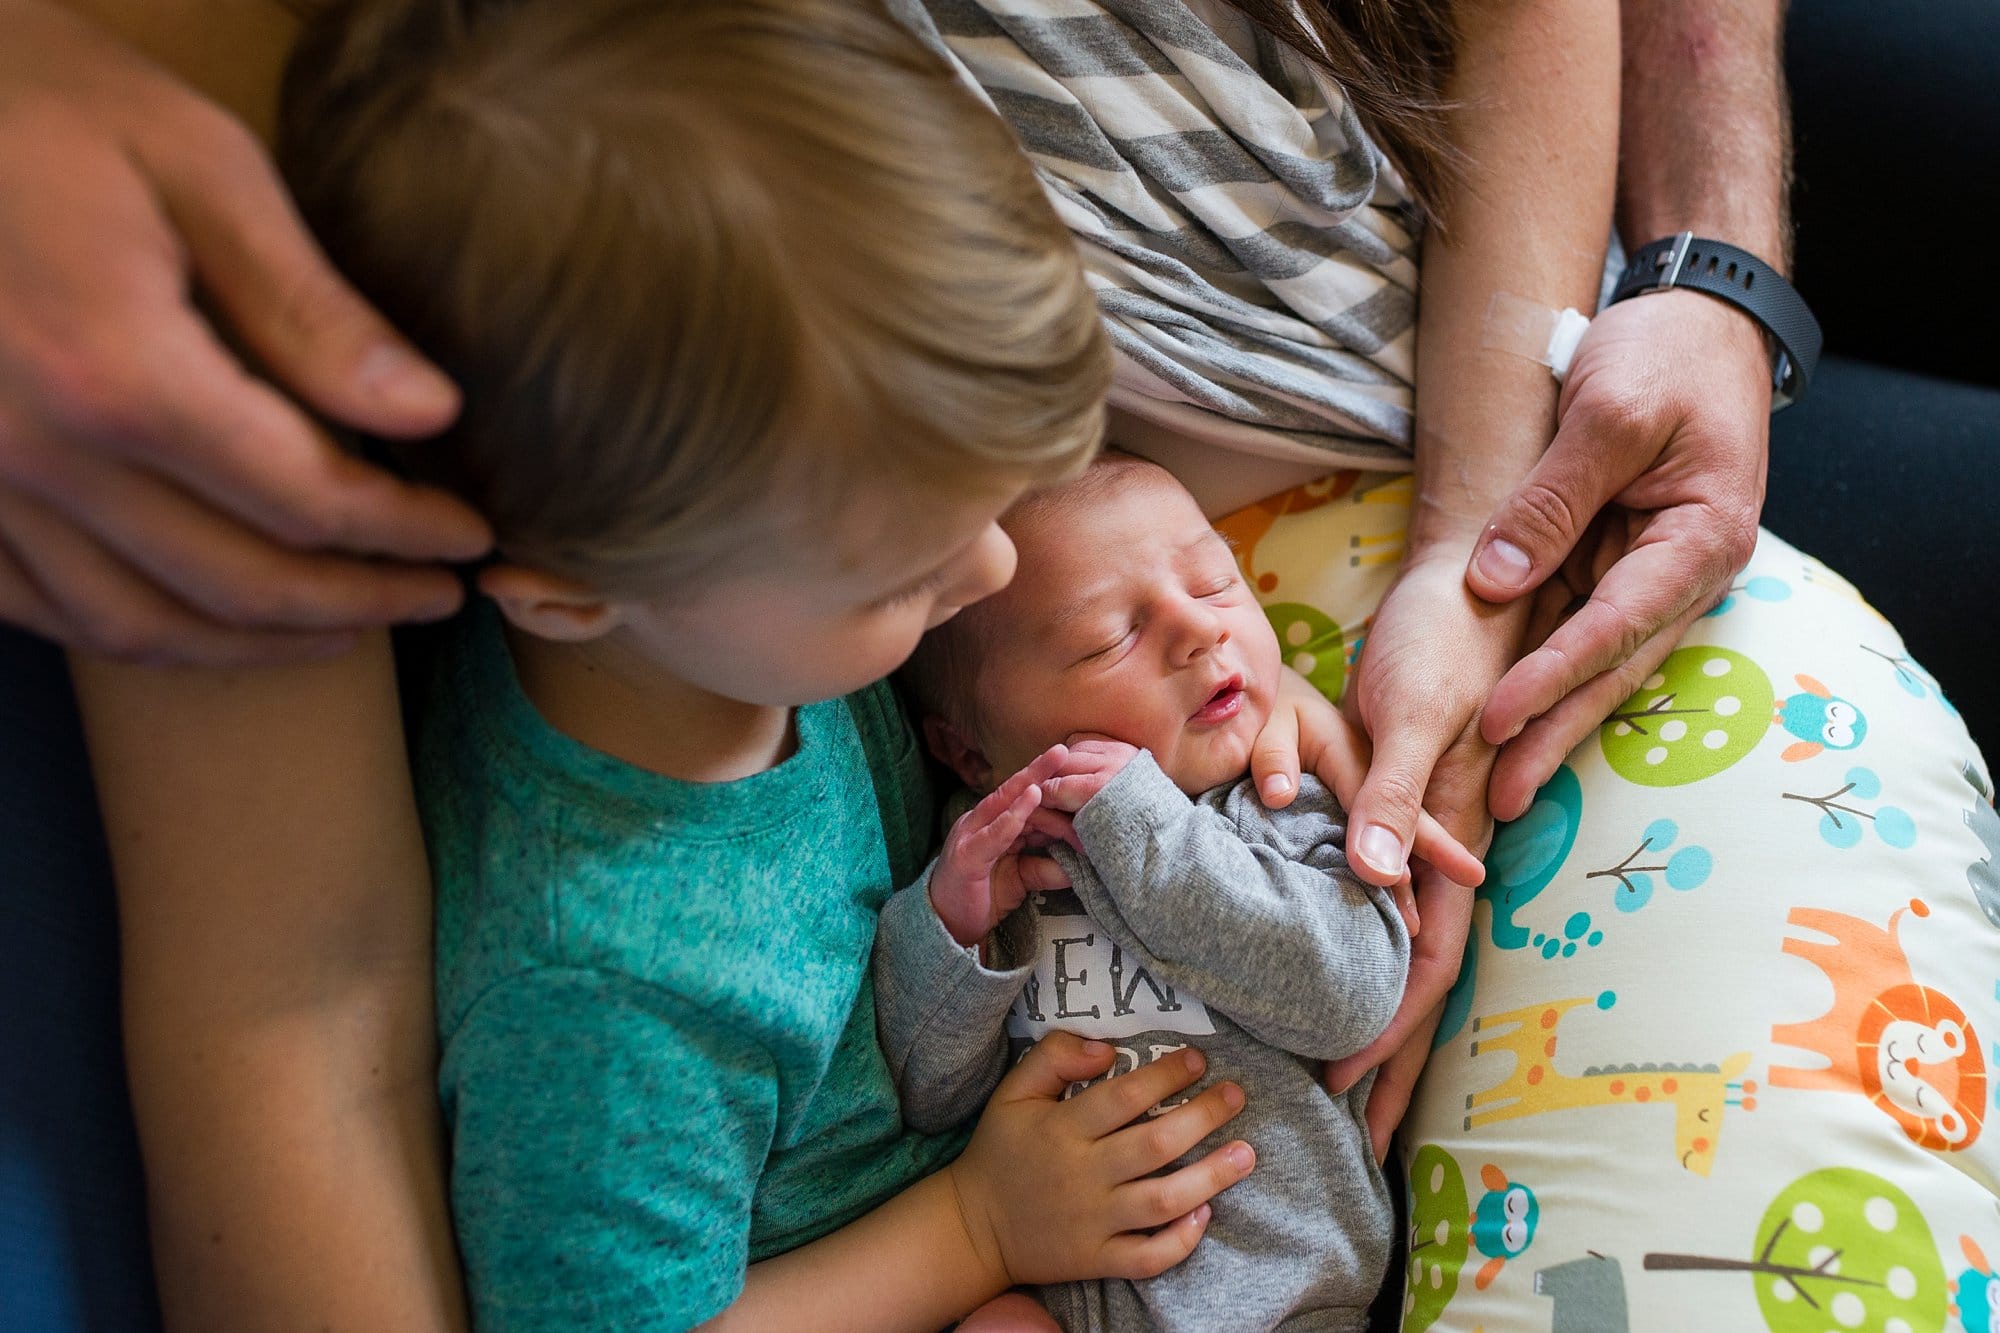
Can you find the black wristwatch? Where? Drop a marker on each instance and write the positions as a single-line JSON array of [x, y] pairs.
[[1746, 282]]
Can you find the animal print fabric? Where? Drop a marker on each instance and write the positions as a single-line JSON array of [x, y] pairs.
[[1721, 1055]]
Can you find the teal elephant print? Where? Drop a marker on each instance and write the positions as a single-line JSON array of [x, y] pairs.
[[1528, 852]]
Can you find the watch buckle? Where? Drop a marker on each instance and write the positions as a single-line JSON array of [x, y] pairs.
[[1673, 260]]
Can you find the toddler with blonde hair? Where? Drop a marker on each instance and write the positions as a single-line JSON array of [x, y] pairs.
[[761, 321]]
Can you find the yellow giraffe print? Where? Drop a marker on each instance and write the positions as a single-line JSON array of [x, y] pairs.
[[1698, 1093]]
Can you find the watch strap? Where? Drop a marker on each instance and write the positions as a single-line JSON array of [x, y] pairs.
[[1731, 274]]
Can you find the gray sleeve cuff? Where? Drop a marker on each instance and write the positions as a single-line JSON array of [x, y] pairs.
[[921, 970], [1139, 799]]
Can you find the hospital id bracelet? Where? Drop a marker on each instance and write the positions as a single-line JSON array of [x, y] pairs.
[[1744, 281]]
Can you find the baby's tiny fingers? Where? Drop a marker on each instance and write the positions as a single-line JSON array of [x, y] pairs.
[[1138, 1255], [1040, 874], [991, 842]]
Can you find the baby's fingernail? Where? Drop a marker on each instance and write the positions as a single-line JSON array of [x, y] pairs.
[[1232, 1096], [1241, 1157], [1504, 563], [1276, 785], [1378, 845]]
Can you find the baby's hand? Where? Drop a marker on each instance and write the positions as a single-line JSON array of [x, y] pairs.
[[1091, 764], [1057, 1190], [981, 874]]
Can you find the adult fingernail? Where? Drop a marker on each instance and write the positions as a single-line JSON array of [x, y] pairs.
[[1275, 786], [1504, 563], [1201, 1214], [1232, 1096], [405, 381], [1241, 1157], [1379, 846], [1192, 1059], [1096, 1048]]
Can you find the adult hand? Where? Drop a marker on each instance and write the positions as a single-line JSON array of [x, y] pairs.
[[1305, 731], [158, 500], [1664, 424], [1432, 655]]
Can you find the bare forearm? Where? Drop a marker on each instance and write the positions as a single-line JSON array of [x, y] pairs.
[[910, 1264], [274, 915], [1536, 85], [1706, 139]]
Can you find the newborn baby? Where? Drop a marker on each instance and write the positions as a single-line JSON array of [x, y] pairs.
[[1121, 679]]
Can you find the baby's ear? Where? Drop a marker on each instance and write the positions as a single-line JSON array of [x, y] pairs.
[[957, 751], [548, 606]]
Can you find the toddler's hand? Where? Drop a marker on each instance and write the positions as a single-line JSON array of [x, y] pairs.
[[981, 874], [1059, 1190], [1089, 767]]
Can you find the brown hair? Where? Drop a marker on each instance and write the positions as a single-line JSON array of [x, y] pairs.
[[666, 245], [1391, 58]]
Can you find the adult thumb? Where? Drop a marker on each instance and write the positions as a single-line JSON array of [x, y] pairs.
[[1534, 530], [1053, 1064]]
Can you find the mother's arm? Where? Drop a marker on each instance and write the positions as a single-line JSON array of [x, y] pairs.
[[1536, 84]]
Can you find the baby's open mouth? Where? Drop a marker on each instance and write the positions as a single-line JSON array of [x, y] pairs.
[[1223, 704]]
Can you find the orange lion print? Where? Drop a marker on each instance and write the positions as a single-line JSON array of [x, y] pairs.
[[1908, 1048]]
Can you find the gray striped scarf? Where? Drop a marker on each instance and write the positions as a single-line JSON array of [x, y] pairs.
[[1254, 254]]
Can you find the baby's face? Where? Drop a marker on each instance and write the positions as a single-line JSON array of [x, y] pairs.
[[1127, 618]]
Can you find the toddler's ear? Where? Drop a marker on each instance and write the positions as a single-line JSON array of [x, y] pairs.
[[958, 752], [548, 606]]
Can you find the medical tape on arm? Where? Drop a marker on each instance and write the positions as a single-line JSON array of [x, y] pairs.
[[1520, 327]]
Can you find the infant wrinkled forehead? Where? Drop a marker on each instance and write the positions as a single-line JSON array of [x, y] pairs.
[[941, 675]]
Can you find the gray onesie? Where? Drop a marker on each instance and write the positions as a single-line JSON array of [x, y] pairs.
[[1210, 922]]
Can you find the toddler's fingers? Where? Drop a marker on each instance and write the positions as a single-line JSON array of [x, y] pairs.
[[1145, 1147], [1055, 1062], [1137, 1255], [1158, 1200], [1117, 1102]]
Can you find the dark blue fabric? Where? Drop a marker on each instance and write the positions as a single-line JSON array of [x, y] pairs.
[[73, 1252]]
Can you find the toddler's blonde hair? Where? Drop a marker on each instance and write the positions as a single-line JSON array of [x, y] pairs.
[[675, 249]]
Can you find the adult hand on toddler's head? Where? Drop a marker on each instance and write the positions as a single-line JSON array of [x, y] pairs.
[[1057, 1189], [158, 501], [1647, 500], [985, 871]]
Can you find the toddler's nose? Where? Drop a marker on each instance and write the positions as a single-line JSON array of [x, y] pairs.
[[987, 567]]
